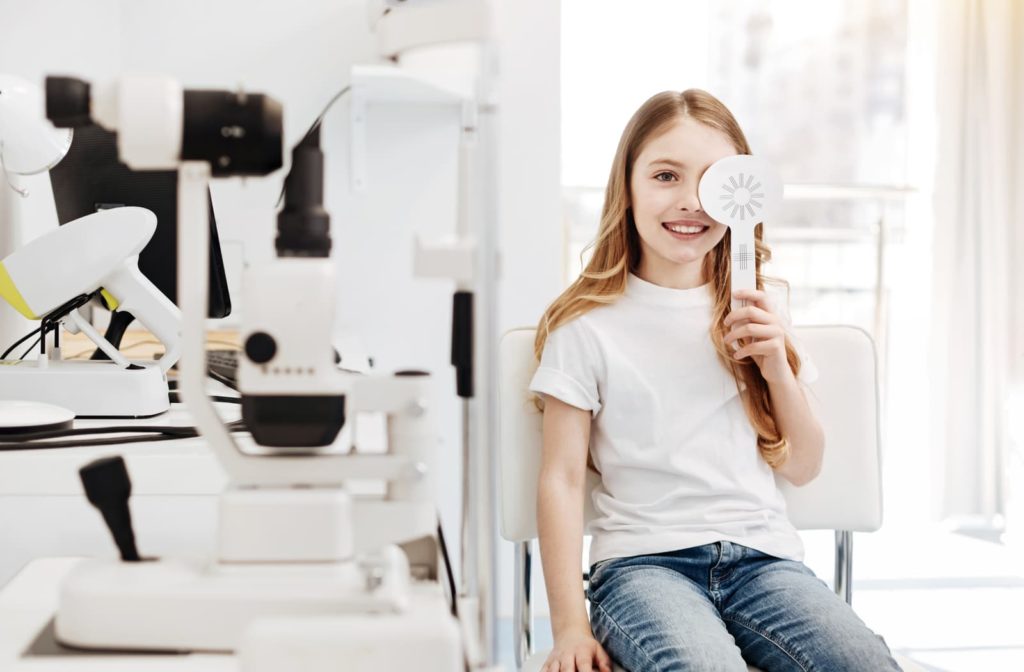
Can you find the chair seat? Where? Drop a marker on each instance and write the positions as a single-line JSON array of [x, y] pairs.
[[536, 661]]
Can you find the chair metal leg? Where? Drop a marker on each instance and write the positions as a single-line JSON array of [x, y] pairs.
[[844, 565], [522, 606]]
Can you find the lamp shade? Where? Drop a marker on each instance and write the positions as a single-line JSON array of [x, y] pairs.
[[29, 143]]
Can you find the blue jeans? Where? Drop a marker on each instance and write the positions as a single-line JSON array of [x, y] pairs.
[[722, 606]]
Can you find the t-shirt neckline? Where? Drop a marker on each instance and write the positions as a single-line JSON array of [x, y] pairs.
[[648, 292]]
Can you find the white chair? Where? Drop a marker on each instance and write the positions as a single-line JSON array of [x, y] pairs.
[[845, 497]]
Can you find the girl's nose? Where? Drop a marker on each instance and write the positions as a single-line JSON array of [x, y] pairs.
[[687, 200]]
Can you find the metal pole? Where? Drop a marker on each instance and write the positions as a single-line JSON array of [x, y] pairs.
[[844, 565], [486, 354], [522, 605]]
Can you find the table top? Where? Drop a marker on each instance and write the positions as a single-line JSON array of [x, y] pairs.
[[178, 466]]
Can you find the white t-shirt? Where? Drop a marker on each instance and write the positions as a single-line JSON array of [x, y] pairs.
[[677, 454]]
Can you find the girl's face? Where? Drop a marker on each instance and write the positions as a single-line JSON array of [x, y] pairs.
[[675, 234]]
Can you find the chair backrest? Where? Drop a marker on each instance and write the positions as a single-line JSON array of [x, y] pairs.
[[847, 495]]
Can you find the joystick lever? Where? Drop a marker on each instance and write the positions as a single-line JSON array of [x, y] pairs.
[[108, 488]]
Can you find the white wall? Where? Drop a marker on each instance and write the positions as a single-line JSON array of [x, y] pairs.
[[301, 54], [530, 197]]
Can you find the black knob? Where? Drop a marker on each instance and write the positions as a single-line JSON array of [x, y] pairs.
[[68, 102], [260, 347], [108, 488]]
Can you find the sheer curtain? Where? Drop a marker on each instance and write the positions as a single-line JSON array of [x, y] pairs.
[[978, 292]]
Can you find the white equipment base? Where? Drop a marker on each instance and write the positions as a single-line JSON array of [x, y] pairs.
[[88, 388], [175, 605], [410, 641], [359, 642]]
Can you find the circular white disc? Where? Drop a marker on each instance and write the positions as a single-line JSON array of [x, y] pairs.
[[28, 416], [30, 143], [741, 190]]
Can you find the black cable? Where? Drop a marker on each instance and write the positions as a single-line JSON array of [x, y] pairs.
[[448, 567], [20, 341], [10, 446], [29, 349], [316, 124], [51, 320], [223, 380], [137, 433], [327, 107], [176, 399], [180, 431]]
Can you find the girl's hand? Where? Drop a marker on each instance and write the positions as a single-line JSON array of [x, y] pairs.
[[577, 652], [760, 333]]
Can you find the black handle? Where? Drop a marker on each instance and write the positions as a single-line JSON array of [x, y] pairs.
[[108, 488], [462, 342]]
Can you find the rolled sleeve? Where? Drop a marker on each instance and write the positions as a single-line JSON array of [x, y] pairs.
[[563, 387], [569, 367]]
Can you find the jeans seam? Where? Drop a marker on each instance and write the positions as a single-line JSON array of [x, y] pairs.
[[625, 634], [778, 644]]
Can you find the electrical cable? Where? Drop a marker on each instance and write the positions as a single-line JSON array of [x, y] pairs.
[[52, 319], [20, 341], [316, 124], [448, 568], [176, 399], [327, 107], [140, 433], [137, 434], [11, 446], [223, 380], [30, 348]]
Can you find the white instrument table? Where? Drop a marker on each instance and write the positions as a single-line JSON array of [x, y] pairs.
[[47, 526], [27, 643]]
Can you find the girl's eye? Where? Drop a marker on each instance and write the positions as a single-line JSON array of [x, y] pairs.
[[664, 176]]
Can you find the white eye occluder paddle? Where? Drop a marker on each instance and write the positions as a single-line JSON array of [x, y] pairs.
[[740, 192]]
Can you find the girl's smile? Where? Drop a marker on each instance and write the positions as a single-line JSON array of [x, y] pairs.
[[674, 231]]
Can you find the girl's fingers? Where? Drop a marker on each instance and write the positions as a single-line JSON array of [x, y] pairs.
[[758, 348], [753, 330], [750, 314], [756, 297]]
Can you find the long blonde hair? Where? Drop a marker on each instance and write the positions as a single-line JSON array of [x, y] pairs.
[[617, 253]]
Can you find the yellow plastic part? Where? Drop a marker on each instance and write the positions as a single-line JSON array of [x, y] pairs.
[[13, 296], [109, 298]]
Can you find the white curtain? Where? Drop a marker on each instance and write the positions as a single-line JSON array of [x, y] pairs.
[[977, 334]]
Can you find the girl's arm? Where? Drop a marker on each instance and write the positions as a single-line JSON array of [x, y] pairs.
[[760, 330], [797, 419], [560, 530]]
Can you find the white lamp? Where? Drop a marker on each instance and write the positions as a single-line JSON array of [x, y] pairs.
[[29, 143]]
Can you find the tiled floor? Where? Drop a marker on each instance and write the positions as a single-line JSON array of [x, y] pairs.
[[950, 602]]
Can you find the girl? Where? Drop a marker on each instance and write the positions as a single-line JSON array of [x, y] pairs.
[[688, 411]]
